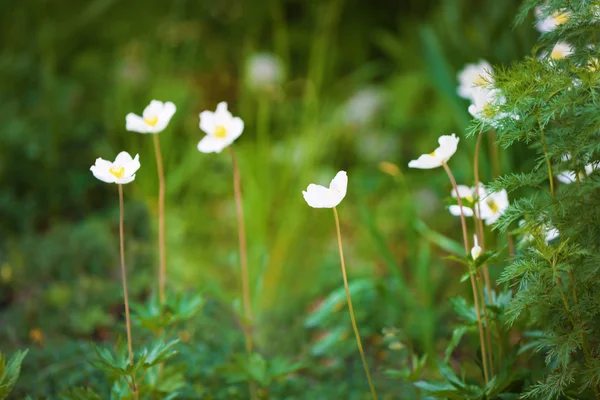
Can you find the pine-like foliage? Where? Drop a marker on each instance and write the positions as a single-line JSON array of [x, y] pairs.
[[552, 106]]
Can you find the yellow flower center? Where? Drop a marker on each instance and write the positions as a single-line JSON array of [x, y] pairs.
[[469, 198], [488, 110], [152, 121], [432, 154], [220, 131], [118, 172], [557, 54], [480, 80], [493, 206], [560, 18]]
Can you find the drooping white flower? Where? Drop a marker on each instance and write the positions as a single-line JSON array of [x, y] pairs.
[[476, 250], [154, 119], [221, 129], [121, 171], [547, 23], [472, 76], [560, 51], [447, 148], [318, 196], [264, 70], [493, 206]]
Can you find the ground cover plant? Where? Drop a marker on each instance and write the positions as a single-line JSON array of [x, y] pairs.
[[167, 170]]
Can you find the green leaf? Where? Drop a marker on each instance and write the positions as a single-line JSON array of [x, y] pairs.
[[457, 335], [10, 372], [79, 394]]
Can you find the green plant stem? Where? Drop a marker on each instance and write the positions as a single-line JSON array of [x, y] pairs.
[[463, 222], [481, 238], [162, 269], [243, 264], [350, 308], [125, 295]]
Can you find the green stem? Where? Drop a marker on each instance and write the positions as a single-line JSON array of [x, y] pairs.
[[463, 222], [350, 308]]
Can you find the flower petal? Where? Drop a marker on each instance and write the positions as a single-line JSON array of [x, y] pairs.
[[132, 166], [124, 180], [234, 127], [426, 161], [207, 122], [455, 210], [135, 123], [211, 144], [123, 158], [317, 196]]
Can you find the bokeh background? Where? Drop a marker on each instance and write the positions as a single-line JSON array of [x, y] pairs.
[[322, 86]]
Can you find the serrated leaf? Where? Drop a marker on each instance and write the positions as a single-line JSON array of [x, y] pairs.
[[11, 373]]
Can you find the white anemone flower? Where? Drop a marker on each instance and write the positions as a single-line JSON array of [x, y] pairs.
[[473, 76], [468, 194], [154, 119], [121, 171], [560, 51], [547, 23], [493, 206], [318, 196], [221, 129], [476, 250], [447, 148], [567, 177]]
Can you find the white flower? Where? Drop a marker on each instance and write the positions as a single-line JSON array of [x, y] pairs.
[[472, 76], [493, 206], [318, 196], [468, 194], [121, 171], [561, 50], [447, 148], [363, 106], [221, 129], [264, 70], [567, 177], [549, 23], [476, 250], [155, 118]]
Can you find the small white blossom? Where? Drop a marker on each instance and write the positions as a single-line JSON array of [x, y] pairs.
[[468, 194], [221, 129], [547, 23], [121, 171], [318, 196], [155, 118], [567, 177], [493, 206], [476, 250], [560, 51], [472, 77], [447, 148], [264, 70]]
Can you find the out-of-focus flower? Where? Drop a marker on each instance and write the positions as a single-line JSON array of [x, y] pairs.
[[389, 168], [318, 196], [473, 76], [363, 106], [264, 71], [493, 206], [560, 51], [549, 233], [36, 336], [476, 250], [221, 129], [154, 119], [468, 194], [121, 171], [447, 148], [570, 176], [547, 23]]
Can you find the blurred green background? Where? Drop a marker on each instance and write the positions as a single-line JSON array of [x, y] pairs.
[[359, 83]]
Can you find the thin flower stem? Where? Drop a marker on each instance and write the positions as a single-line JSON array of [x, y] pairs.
[[125, 295], [162, 269], [243, 264], [481, 237], [350, 308], [548, 161], [473, 284]]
